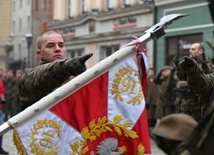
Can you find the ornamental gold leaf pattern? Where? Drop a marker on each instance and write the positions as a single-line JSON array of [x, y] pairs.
[[102, 125], [141, 149], [39, 125], [127, 85]]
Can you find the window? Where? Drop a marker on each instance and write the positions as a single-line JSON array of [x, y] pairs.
[[44, 4], [20, 50], [20, 5], [20, 24], [14, 6], [69, 9], [91, 26], [28, 21], [108, 50], [75, 52], [14, 26], [83, 6], [180, 45], [37, 5], [108, 4]]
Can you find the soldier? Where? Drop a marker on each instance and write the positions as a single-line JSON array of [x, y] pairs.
[[186, 101], [9, 85], [15, 95], [53, 71], [172, 130], [198, 82], [167, 82], [196, 52]]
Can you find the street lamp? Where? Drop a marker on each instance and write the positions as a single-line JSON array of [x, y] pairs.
[[29, 37], [9, 48]]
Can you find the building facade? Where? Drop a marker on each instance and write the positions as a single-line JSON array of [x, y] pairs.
[[101, 27], [5, 30], [196, 27], [21, 21], [42, 14]]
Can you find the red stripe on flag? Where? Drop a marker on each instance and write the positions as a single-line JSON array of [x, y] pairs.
[[88, 103]]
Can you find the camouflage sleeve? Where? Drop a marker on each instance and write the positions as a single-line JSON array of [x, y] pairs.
[[202, 85], [40, 81], [198, 81]]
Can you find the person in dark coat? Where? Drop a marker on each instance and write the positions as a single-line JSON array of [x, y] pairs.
[[151, 97]]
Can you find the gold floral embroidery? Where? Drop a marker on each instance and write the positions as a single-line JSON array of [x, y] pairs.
[[96, 128], [123, 84]]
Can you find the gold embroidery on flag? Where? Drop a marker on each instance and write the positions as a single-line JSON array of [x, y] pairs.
[[122, 84], [46, 141], [18, 143], [140, 149], [102, 125]]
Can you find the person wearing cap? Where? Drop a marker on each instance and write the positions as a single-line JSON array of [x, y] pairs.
[[172, 130], [166, 98], [53, 71]]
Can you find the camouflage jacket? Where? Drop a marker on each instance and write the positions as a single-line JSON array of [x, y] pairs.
[[166, 93], [202, 63], [201, 84], [42, 80]]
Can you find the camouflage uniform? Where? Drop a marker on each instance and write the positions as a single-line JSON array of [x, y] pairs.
[[199, 83], [42, 80], [186, 101], [9, 85], [201, 62], [166, 96], [196, 101]]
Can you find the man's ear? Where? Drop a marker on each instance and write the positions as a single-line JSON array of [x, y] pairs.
[[39, 53], [201, 52]]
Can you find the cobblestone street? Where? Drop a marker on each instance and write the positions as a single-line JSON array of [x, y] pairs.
[[9, 146]]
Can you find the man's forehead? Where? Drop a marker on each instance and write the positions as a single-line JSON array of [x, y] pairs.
[[53, 38]]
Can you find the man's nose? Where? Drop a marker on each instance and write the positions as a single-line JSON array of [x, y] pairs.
[[57, 48]]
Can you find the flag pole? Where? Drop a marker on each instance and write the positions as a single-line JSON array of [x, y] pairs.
[[89, 75]]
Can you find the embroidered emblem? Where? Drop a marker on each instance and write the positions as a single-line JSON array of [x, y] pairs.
[[18, 143], [43, 134], [95, 129], [108, 147], [127, 84]]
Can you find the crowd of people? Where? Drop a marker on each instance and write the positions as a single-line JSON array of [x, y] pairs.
[[9, 98], [184, 90]]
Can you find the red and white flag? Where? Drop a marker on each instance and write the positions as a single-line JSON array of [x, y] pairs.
[[105, 117]]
